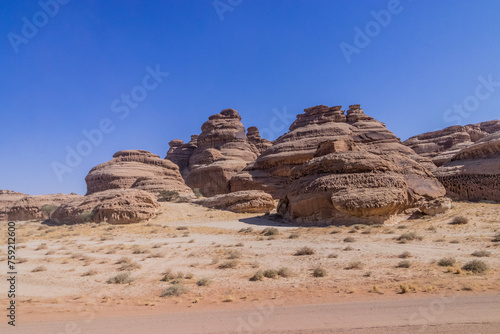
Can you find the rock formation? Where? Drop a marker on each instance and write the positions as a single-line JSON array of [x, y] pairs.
[[473, 174], [222, 151], [137, 169], [261, 144], [442, 145], [180, 153], [338, 167], [16, 206], [251, 201], [116, 206], [271, 172]]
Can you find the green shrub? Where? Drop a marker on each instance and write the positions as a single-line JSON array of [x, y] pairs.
[[48, 209], [86, 216], [270, 273]]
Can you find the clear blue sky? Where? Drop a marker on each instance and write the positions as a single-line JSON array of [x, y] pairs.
[[262, 57]]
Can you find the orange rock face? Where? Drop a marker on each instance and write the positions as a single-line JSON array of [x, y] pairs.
[[137, 169], [116, 206]]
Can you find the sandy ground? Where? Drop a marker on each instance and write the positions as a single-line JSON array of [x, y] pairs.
[[63, 270]]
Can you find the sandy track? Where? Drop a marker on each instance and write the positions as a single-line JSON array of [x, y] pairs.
[[465, 314]]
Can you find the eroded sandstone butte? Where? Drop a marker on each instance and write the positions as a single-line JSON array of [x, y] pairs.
[[18, 206], [115, 206], [250, 201], [223, 150], [338, 167], [180, 153], [473, 174], [137, 169], [442, 145]]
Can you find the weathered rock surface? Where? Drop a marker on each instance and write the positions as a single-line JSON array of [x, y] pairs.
[[116, 206], [16, 206], [222, 151], [180, 153], [137, 169], [474, 173], [261, 144], [271, 172], [442, 145], [252, 201]]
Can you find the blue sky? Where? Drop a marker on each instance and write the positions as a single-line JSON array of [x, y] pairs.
[[263, 58]]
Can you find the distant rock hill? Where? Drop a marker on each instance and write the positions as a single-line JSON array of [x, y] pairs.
[[442, 145]]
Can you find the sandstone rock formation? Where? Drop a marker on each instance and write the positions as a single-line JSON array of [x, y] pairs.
[[116, 206], [261, 144], [252, 201], [271, 172], [474, 173], [16, 206], [442, 145], [180, 153], [222, 151], [137, 169]]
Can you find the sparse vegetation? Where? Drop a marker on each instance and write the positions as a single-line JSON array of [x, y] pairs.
[[229, 264], [304, 251], [349, 239], [333, 256], [476, 266], [205, 281], [409, 236], [319, 272], [481, 253], [284, 272], [293, 236], [258, 276], [405, 255], [496, 238], [38, 269], [404, 264], [90, 273], [270, 273], [246, 230], [48, 209], [447, 262], [355, 265], [86, 216], [123, 278], [175, 290], [268, 231], [460, 220]]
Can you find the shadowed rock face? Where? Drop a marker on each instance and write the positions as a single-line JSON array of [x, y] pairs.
[[442, 145], [271, 172], [117, 206], [137, 169], [16, 206], [180, 153], [252, 201], [222, 151], [474, 173]]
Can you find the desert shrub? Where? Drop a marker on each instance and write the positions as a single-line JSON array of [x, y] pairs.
[[333, 256], [409, 236], [234, 254], [476, 266], [86, 216], [404, 264], [90, 273], [496, 238], [405, 288], [48, 209], [402, 227], [304, 251], [258, 276], [293, 236], [168, 196], [349, 239], [447, 262], [168, 275], [355, 265], [460, 220], [348, 248], [319, 272], [182, 228], [336, 230], [197, 192], [41, 246], [239, 244], [270, 231], [38, 269], [284, 272], [405, 255], [123, 278], [121, 260], [205, 281], [270, 273], [246, 230], [481, 253], [175, 290], [229, 264], [129, 266]]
